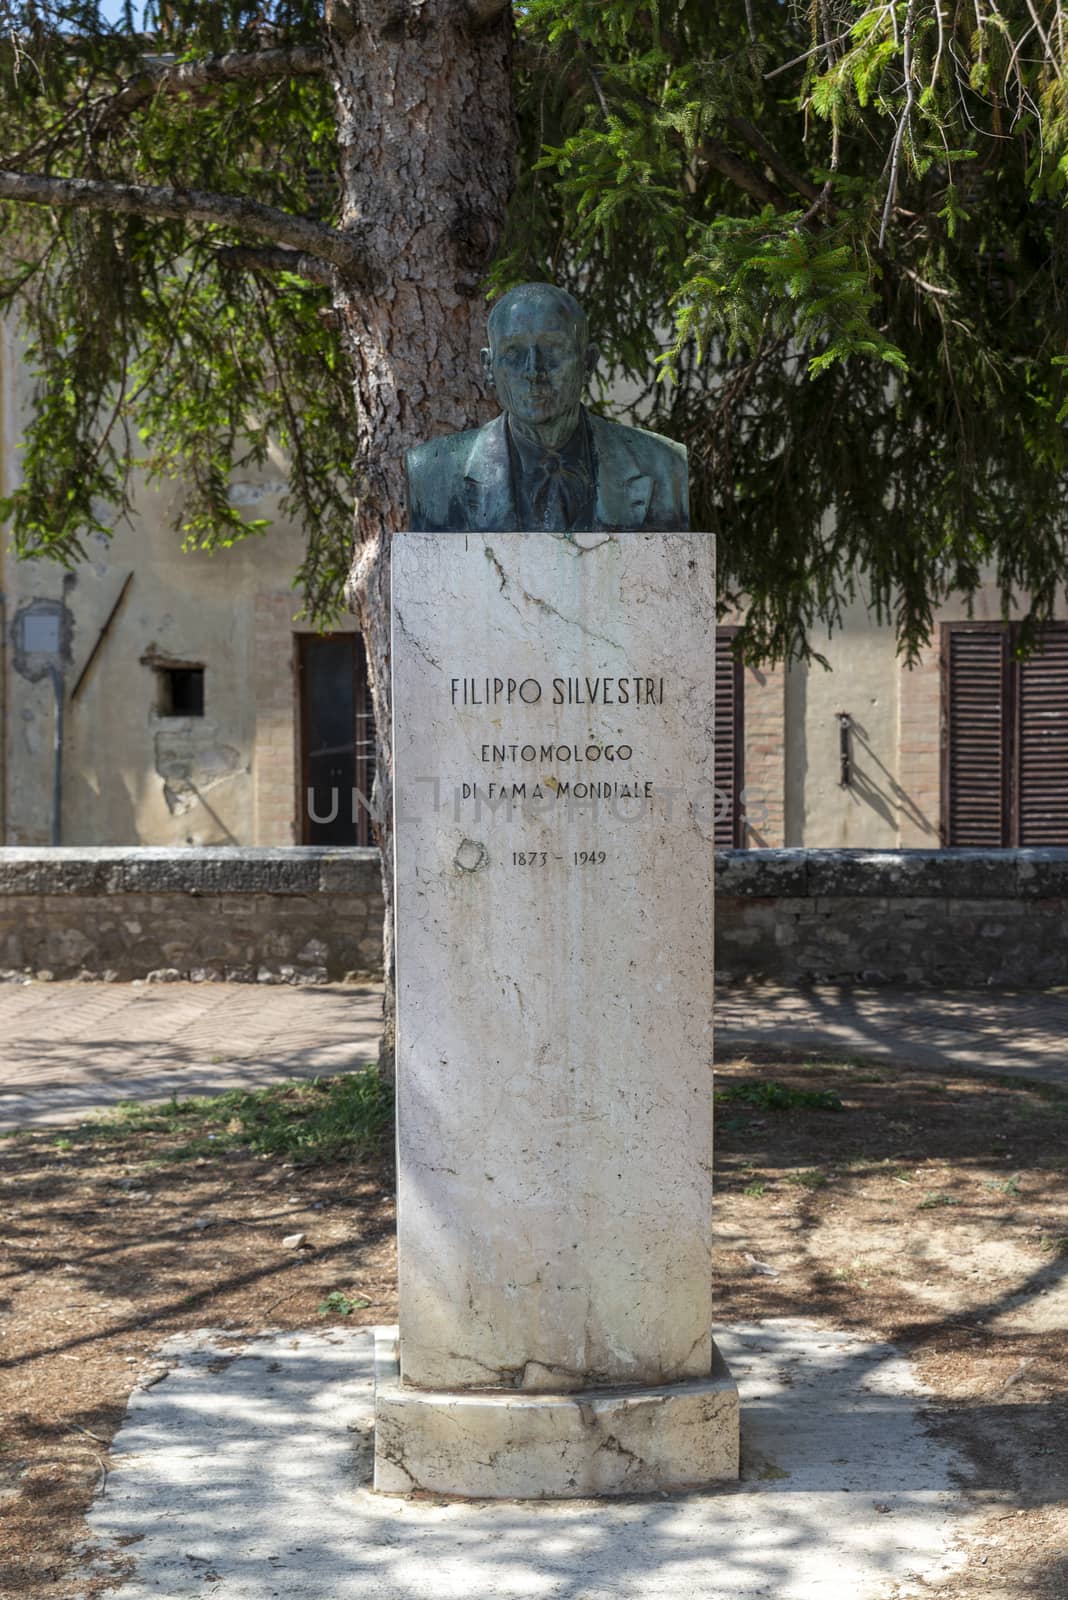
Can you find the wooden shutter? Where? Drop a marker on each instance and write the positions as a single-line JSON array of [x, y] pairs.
[[977, 736], [730, 778], [1042, 742]]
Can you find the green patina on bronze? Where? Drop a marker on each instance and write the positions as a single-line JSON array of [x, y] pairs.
[[545, 462]]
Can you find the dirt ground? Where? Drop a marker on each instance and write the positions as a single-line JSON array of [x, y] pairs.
[[932, 1213]]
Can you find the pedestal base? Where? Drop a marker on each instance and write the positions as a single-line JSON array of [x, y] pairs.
[[504, 1445]]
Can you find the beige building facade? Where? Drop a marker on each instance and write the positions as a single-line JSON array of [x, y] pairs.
[[172, 677], [194, 707]]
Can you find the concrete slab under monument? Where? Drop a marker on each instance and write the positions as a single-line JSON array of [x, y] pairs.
[[555, 808]]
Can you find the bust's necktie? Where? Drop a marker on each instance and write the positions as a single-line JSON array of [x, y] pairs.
[[560, 488], [554, 487]]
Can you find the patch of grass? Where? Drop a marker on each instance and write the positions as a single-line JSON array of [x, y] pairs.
[[931, 1201], [1056, 1244], [339, 1304], [755, 1189], [813, 1179], [773, 1096], [320, 1120], [1005, 1185]]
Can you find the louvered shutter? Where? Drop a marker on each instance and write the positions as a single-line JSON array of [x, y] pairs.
[[1042, 760], [977, 733], [729, 759]]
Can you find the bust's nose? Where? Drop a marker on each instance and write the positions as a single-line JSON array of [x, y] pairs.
[[534, 363]]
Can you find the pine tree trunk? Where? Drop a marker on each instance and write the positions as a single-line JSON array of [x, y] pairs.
[[428, 139]]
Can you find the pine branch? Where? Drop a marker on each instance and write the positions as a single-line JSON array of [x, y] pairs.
[[237, 66], [192, 205], [742, 173], [279, 259], [770, 156]]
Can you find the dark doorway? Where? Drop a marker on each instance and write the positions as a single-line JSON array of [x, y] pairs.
[[337, 739]]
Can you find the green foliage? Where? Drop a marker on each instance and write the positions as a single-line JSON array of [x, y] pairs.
[[339, 1304], [843, 226], [853, 215], [148, 345], [767, 278], [811, 1180], [326, 1119], [771, 1096]]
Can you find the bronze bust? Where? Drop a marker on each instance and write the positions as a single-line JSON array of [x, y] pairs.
[[545, 462]]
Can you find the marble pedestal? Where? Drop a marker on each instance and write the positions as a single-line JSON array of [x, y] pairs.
[[554, 830]]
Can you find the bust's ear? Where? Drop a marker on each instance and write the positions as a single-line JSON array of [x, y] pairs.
[[487, 365], [593, 355]]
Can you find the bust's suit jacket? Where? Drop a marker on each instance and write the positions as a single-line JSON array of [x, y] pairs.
[[464, 481]]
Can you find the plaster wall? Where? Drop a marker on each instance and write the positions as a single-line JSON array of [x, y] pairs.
[[132, 774], [863, 681]]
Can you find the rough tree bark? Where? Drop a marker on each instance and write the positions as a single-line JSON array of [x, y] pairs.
[[427, 139]]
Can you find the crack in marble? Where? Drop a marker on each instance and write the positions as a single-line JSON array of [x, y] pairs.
[[549, 609], [430, 660]]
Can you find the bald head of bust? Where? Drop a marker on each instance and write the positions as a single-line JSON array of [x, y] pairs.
[[538, 359]]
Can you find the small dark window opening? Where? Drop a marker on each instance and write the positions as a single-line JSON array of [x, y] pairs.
[[181, 691]]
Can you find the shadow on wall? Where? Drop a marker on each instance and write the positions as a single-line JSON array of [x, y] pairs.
[[899, 806], [99, 806]]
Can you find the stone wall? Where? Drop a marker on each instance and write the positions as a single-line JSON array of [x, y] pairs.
[[297, 915], [953, 918], [958, 918]]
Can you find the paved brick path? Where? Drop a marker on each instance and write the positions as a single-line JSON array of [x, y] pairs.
[[1014, 1034], [67, 1048]]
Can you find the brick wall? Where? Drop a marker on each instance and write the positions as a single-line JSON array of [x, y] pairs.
[[919, 772], [765, 754]]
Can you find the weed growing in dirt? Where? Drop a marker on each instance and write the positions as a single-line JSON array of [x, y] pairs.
[[1005, 1185], [931, 1201], [755, 1189], [325, 1119], [773, 1096], [339, 1304], [813, 1179]]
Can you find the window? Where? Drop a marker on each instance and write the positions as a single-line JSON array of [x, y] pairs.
[[181, 691], [1004, 737], [730, 749]]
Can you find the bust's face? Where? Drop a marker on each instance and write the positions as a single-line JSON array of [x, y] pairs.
[[537, 361]]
